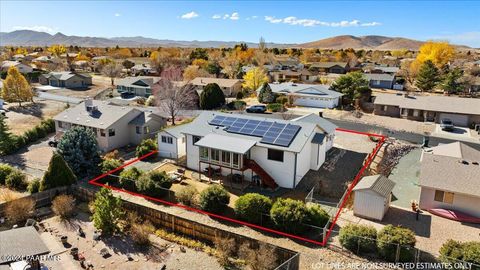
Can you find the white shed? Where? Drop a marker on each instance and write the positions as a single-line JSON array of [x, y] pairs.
[[372, 196], [171, 142]]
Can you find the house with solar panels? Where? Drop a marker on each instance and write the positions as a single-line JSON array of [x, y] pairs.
[[269, 152]]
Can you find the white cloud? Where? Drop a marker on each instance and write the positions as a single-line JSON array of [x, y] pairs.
[[189, 15], [117, 15], [291, 20], [216, 17], [235, 16], [38, 28]]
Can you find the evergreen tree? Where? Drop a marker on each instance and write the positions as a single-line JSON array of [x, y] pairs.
[[16, 87], [212, 97], [58, 174], [79, 149], [265, 95], [452, 83], [428, 76], [353, 85], [107, 211], [6, 139]]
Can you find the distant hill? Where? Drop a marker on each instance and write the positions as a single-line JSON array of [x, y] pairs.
[[33, 38]]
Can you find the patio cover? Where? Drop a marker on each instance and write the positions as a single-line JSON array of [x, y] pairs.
[[226, 143]]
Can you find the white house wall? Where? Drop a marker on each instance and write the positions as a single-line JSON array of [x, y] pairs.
[[369, 204], [464, 203], [281, 172], [174, 150]]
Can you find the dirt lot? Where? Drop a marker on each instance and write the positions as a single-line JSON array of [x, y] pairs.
[[160, 253], [20, 119]]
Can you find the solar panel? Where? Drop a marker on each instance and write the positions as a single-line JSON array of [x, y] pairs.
[[270, 132]]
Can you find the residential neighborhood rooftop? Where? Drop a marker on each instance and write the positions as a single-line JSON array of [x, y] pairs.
[[202, 81], [23, 241], [65, 75], [308, 89], [139, 81]]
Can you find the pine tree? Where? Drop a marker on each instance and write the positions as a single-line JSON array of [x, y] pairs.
[[79, 149], [212, 97], [428, 76], [107, 211], [265, 95], [58, 174], [6, 139], [16, 87], [451, 82]]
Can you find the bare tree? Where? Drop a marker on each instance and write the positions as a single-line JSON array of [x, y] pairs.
[[172, 95], [263, 258], [112, 71]]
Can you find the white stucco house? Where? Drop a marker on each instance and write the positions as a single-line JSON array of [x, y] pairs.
[[308, 95], [278, 152], [450, 179], [114, 126], [372, 197]]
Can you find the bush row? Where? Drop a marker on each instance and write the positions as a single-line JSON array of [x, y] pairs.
[[40, 131], [454, 251], [12, 178]]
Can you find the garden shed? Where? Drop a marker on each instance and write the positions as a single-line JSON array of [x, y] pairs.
[[372, 196]]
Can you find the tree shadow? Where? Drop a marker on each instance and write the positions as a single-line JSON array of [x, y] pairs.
[[34, 109]]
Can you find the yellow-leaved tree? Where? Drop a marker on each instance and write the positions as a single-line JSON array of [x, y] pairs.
[[21, 51], [440, 53], [57, 50], [254, 78], [16, 88]]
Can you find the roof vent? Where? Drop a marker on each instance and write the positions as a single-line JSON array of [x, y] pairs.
[[475, 163], [465, 162]]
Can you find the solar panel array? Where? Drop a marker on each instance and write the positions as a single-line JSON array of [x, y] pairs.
[[271, 132]]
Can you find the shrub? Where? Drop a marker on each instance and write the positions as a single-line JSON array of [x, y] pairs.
[[129, 177], [141, 101], [140, 233], [212, 97], [388, 239], [63, 206], [454, 251], [153, 184], [274, 107], [251, 206], [16, 180], [261, 258], [20, 210], [358, 238], [150, 101], [282, 100], [34, 186], [289, 215], [58, 174], [226, 248], [187, 195], [240, 95], [237, 105], [145, 147], [107, 211], [214, 199], [265, 95], [317, 216], [109, 164], [5, 170], [113, 155]]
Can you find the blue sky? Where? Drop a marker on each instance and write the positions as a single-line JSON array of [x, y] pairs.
[[276, 21]]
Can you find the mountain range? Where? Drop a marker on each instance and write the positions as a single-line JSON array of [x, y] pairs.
[[371, 42]]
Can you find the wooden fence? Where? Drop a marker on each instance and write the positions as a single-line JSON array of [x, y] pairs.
[[41, 199]]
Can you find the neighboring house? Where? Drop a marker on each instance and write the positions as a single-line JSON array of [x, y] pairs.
[[230, 87], [142, 69], [449, 178], [24, 242], [42, 59], [66, 79], [171, 142], [18, 57], [330, 67], [294, 76], [381, 70], [380, 80], [372, 197], [138, 86], [308, 95], [271, 152], [22, 68], [113, 126], [286, 63], [462, 111]]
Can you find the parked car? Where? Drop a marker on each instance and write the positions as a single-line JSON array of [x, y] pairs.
[[256, 109], [53, 143], [447, 124]]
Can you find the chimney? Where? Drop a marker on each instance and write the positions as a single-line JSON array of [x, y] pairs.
[[89, 105]]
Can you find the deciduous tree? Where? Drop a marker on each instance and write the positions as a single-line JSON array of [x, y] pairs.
[[254, 78], [112, 71], [16, 88], [439, 53]]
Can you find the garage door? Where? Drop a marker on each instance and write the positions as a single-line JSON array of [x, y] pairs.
[[458, 119], [312, 102]]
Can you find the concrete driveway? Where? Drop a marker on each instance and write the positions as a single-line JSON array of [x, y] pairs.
[[406, 176]]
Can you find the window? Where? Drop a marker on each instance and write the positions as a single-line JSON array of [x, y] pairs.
[[196, 139], [204, 153], [215, 155], [384, 108], [416, 113], [60, 124], [226, 157], [102, 132], [444, 196], [167, 139], [236, 161], [138, 130], [111, 132], [146, 130], [276, 155]]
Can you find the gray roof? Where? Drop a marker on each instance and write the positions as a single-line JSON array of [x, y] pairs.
[[328, 64], [387, 69], [322, 123], [138, 82], [65, 75], [103, 118], [457, 150], [376, 183], [202, 81], [23, 241], [450, 174], [143, 118], [304, 89], [201, 127], [226, 143], [431, 103], [379, 77], [176, 131]]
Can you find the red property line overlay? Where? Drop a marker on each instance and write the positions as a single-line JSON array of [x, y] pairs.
[[292, 236]]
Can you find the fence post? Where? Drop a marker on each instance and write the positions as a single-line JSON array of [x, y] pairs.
[[397, 253]]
